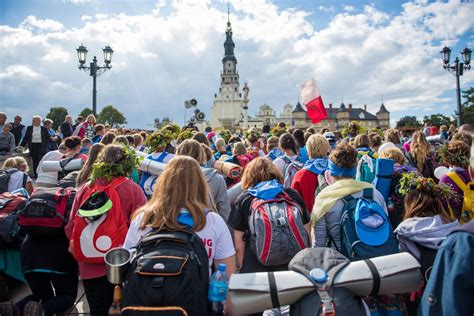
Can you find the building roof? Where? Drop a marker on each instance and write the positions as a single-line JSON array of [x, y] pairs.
[[342, 107], [298, 108], [382, 109], [356, 114]]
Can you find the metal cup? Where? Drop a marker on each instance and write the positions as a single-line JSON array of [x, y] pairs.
[[117, 261]]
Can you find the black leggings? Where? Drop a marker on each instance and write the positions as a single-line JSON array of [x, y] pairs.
[[100, 294], [36, 151], [57, 292]]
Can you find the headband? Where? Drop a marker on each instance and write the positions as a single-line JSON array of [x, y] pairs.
[[336, 171]]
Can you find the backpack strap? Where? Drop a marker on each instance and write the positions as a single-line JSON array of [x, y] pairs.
[[368, 194], [375, 277], [458, 181], [25, 179], [273, 290]]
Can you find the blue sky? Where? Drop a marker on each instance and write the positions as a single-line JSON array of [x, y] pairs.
[[168, 51]]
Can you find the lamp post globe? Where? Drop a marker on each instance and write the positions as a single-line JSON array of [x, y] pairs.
[[108, 52], [466, 55], [81, 54], [446, 54]]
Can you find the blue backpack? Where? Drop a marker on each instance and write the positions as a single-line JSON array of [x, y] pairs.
[[365, 229]]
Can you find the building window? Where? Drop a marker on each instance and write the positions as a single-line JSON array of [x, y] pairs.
[[235, 89]]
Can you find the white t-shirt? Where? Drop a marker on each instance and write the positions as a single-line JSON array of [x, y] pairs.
[[215, 237], [280, 163], [16, 180], [36, 135], [48, 177]]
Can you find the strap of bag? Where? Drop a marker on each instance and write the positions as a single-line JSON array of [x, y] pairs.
[[459, 182], [368, 194], [375, 277], [327, 302], [273, 290]]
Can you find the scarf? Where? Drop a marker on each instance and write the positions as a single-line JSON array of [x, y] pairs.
[[328, 197], [317, 165]]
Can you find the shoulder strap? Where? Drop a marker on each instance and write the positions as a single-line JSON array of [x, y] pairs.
[[459, 182], [25, 178], [368, 194]]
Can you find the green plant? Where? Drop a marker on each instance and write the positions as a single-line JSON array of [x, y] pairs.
[[108, 170]]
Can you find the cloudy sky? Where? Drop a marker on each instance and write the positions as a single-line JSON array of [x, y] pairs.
[[168, 51]]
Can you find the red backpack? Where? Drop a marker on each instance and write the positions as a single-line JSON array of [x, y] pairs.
[[47, 211], [92, 237]]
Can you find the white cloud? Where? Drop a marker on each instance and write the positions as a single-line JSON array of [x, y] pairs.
[[166, 56], [349, 8], [327, 8]]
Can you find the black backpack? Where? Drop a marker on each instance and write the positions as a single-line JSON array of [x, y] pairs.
[[168, 275], [4, 179]]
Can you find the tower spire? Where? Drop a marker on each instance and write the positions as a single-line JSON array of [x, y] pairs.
[[228, 12]]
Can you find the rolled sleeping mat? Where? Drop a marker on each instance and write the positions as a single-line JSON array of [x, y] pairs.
[[250, 292], [434, 139], [151, 166], [234, 192], [55, 166], [229, 169], [383, 176], [141, 154]]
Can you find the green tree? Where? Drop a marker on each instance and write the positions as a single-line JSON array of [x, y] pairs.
[[468, 106], [85, 112], [110, 115], [438, 119], [409, 121], [57, 115]]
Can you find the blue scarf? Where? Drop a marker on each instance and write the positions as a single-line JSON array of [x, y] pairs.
[[317, 165], [336, 171], [266, 190]]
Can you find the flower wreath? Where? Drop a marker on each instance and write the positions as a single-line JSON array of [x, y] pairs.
[[411, 181], [158, 140], [110, 170], [456, 159]]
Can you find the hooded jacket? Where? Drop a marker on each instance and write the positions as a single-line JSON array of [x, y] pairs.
[[426, 231], [218, 191]]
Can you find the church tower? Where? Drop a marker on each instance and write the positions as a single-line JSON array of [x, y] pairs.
[[227, 109]]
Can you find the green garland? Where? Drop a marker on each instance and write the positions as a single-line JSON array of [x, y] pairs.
[[456, 159], [411, 181], [108, 171], [360, 129], [173, 129], [225, 134], [278, 131], [158, 140], [185, 134]]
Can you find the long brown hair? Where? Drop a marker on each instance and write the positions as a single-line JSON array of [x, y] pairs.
[[86, 170], [419, 149], [259, 170], [181, 185], [191, 148], [422, 204]]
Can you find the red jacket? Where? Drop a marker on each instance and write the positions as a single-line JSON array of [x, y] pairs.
[[305, 183]]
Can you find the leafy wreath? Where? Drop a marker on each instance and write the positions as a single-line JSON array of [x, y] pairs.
[[457, 159], [411, 181], [185, 134], [108, 171], [360, 129], [278, 131], [158, 140]]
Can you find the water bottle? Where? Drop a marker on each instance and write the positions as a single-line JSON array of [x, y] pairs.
[[218, 290]]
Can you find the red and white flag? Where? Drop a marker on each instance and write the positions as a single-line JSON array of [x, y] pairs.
[[310, 97]]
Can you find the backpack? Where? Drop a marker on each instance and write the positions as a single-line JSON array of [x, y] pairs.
[[47, 211], [366, 166], [93, 236], [289, 170], [325, 299], [253, 151], [10, 205], [276, 230], [168, 275], [467, 212], [351, 244], [4, 179], [69, 181], [62, 164]]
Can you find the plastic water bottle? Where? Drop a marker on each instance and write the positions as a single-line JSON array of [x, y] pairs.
[[218, 289]]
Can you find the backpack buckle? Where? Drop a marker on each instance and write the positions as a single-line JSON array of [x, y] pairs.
[[282, 221], [327, 303]]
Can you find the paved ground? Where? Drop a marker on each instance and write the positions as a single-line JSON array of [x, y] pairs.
[[80, 308]]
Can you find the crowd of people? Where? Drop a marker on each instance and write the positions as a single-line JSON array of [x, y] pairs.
[[315, 181]]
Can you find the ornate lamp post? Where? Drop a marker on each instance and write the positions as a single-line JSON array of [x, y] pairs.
[[457, 69], [95, 69]]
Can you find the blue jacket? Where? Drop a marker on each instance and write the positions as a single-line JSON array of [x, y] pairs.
[[450, 288]]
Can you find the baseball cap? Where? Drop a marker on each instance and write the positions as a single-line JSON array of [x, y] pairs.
[[371, 223]]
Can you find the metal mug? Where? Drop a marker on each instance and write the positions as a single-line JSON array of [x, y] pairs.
[[117, 261]]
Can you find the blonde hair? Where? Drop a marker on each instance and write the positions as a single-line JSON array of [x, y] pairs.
[[10, 163], [395, 154], [392, 135], [181, 185], [219, 143], [20, 161], [137, 139], [239, 149], [362, 140], [92, 117], [419, 149], [191, 148], [317, 146], [259, 170]]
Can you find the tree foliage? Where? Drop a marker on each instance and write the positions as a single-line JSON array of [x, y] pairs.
[[110, 115], [468, 106], [438, 119], [57, 115], [85, 112], [409, 121]]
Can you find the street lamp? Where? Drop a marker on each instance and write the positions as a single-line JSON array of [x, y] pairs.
[[457, 69], [95, 69]]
